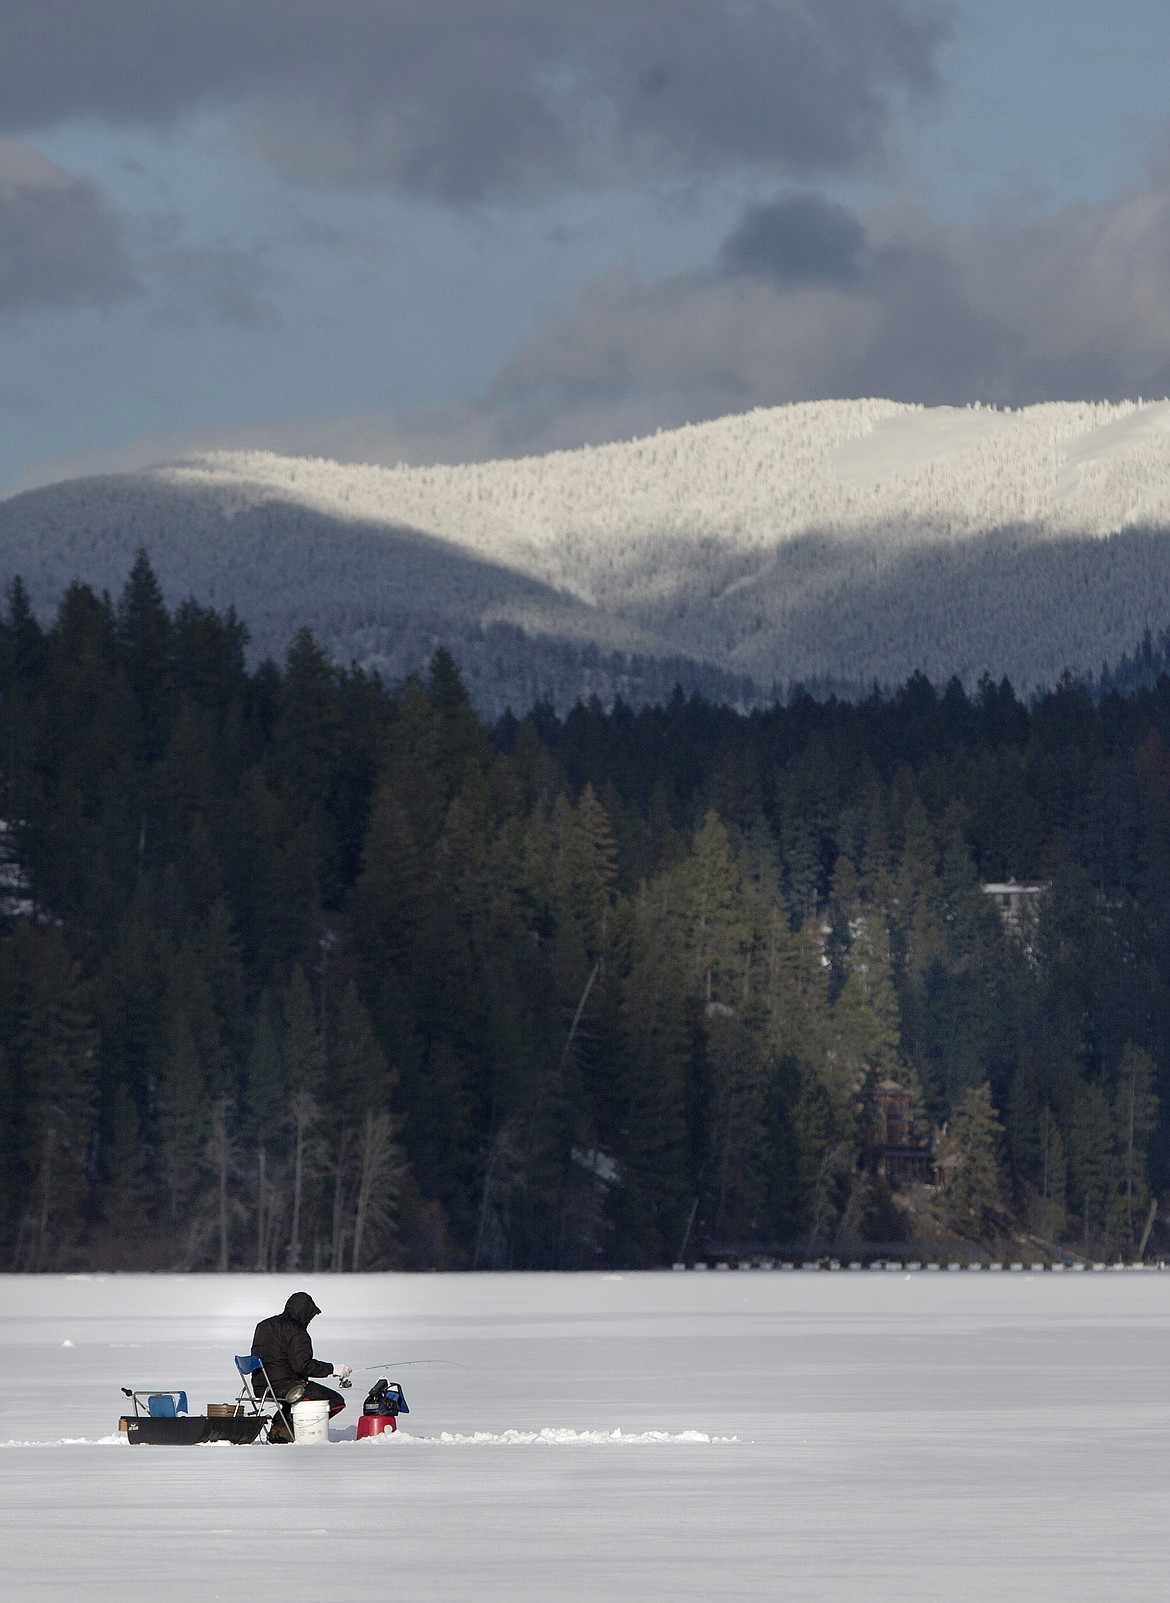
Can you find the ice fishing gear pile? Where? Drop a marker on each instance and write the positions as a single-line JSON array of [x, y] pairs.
[[161, 1417], [381, 1409]]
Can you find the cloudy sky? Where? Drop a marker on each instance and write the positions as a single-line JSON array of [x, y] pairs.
[[452, 228]]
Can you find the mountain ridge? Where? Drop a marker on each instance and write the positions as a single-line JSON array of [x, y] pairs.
[[837, 542]]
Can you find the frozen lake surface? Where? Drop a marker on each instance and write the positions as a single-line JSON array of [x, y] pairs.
[[904, 1437]]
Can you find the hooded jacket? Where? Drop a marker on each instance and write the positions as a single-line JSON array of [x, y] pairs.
[[284, 1346]]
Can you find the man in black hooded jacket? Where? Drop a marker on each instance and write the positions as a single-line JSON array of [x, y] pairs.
[[284, 1346]]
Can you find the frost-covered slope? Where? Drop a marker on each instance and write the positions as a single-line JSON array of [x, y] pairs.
[[836, 540]]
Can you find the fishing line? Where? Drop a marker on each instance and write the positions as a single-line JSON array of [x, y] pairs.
[[411, 1363]]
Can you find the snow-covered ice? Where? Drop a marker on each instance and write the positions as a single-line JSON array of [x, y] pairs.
[[806, 1437]]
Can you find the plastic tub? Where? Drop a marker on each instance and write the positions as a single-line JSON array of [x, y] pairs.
[[375, 1425], [310, 1423]]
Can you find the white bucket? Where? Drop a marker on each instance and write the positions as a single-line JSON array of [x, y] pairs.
[[310, 1423]]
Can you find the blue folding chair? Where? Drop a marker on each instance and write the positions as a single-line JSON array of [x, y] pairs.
[[262, 1398], [249, 1365]]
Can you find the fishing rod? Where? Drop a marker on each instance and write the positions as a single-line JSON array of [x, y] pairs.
[[411, 1363]]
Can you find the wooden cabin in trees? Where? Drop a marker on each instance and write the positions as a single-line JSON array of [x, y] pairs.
[[892, 1148], [891, 1110]]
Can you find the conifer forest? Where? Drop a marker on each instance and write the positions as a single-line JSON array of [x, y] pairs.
[[301, 970]]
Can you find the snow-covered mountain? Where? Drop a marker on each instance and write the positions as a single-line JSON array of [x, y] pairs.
[[833, 541]]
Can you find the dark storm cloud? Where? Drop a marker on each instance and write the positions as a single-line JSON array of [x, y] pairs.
[[60, 245], [796, 239], [474, 98], [1032, 307]]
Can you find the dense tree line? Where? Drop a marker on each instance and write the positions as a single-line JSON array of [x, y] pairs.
[[300, 970], [1137, 670]]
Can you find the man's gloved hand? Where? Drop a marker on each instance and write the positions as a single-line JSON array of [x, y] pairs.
[[343, 1372]]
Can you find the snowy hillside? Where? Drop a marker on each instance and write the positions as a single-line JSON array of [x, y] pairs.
[[839, 541]]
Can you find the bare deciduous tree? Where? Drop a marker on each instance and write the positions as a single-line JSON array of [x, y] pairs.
[[304, 1113], [379, 1170]]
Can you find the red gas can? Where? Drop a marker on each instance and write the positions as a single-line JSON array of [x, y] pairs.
[[375, 1424]]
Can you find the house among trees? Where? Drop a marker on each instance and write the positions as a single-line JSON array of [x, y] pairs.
[[893, 1149], [1016, 901]]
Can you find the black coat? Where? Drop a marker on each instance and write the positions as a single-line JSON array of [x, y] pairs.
[[283, 1344]]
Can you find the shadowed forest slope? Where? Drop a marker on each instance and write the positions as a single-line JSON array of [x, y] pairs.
[[296, 970]]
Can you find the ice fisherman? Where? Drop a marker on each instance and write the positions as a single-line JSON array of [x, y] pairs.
[[285, 1348]]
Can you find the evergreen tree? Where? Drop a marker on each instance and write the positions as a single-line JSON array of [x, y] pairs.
[[379, 1172], [655, 1034], [181, 1119], [589, 866], [866, 1023], [303, 1043], [717, 935], [359, 1076], [1053, 1179], [390, 895], [59, 1061], [126, 1192], [1092, 1165], [1135, 1118], [221, 1157], [267, 1086], [970, 1155], [739, 1078], [145, 635]]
